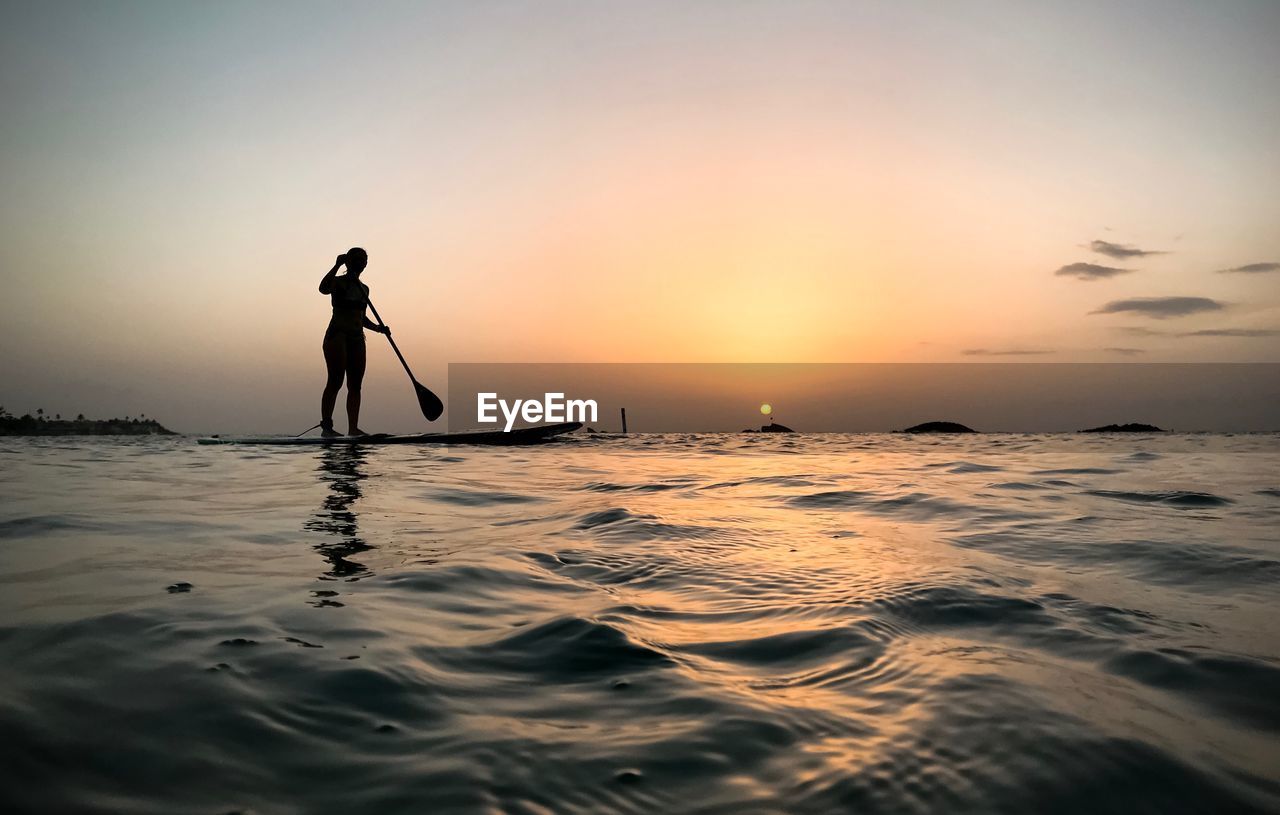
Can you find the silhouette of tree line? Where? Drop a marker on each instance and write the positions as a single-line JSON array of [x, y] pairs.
[[41, 425]]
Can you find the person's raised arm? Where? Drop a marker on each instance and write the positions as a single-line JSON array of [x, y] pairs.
[[326, 282]]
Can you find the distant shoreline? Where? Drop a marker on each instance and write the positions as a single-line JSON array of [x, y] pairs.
[[33, 426], [29, 425]]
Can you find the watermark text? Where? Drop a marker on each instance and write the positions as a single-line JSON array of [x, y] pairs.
[[553, 407]]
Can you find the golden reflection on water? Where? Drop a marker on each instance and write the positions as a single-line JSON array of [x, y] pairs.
[[819, 580], [813, 624]]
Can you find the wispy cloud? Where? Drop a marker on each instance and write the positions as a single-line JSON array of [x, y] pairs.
[[1121, 251], [1161, 308], [1232, 332], [1090, 271], [1003, 352], [1143, 331], [1253, 268], [1126, 352]]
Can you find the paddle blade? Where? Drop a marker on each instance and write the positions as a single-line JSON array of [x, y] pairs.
[[431, 405]]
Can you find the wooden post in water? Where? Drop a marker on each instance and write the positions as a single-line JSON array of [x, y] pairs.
[[624, 420]]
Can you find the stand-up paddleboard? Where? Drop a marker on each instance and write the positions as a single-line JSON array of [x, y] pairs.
[[525, 435]]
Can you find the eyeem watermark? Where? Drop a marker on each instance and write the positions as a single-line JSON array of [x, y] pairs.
[[553, 408]]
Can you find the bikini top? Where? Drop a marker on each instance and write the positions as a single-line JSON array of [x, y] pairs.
[[349, 296]]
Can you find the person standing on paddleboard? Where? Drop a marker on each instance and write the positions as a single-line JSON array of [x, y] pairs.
[[344, 340]]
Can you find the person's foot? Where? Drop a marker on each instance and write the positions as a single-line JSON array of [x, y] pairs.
[[355, 431], [329, 433]]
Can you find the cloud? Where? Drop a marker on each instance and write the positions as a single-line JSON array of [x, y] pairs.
[[1232, 332], [1120, 251], [1143, 331], [1090, 271], [1127, 352], [1003, 352], [1161, 308], [1253, 268]]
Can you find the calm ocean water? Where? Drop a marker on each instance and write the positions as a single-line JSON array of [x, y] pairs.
[[716, 624]]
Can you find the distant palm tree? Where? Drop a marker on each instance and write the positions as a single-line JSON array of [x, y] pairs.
[[57, 416], [39, 411], [80, 418]]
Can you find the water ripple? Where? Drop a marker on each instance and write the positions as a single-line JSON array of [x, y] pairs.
[[1175, 498]]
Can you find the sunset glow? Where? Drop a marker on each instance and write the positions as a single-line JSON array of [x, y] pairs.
[[672, 182]]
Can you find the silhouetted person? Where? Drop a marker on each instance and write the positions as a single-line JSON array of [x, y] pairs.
[[344, 341]]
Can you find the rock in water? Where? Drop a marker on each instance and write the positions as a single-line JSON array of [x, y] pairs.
[[939, 427], [1132, 427], [772, 427]]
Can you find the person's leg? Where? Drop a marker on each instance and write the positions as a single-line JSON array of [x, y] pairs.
[[335, 362], [355, 378]]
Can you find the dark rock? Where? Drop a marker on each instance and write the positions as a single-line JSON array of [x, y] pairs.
[[772, 427], [939, 427], [1132, 427]]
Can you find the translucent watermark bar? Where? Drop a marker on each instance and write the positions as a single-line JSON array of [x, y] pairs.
[[864, 397]]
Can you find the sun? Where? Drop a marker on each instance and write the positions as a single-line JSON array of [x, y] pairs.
[[766, 408]]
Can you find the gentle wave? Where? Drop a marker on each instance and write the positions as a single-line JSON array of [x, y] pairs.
[[1176, 498]]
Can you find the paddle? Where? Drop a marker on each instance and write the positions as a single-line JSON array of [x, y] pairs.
[[430, 404]]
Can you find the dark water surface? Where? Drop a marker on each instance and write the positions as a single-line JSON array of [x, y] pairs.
[[719, 624]]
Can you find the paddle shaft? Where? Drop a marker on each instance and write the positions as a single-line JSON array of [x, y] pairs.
[[430, 405], [394, 347]]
